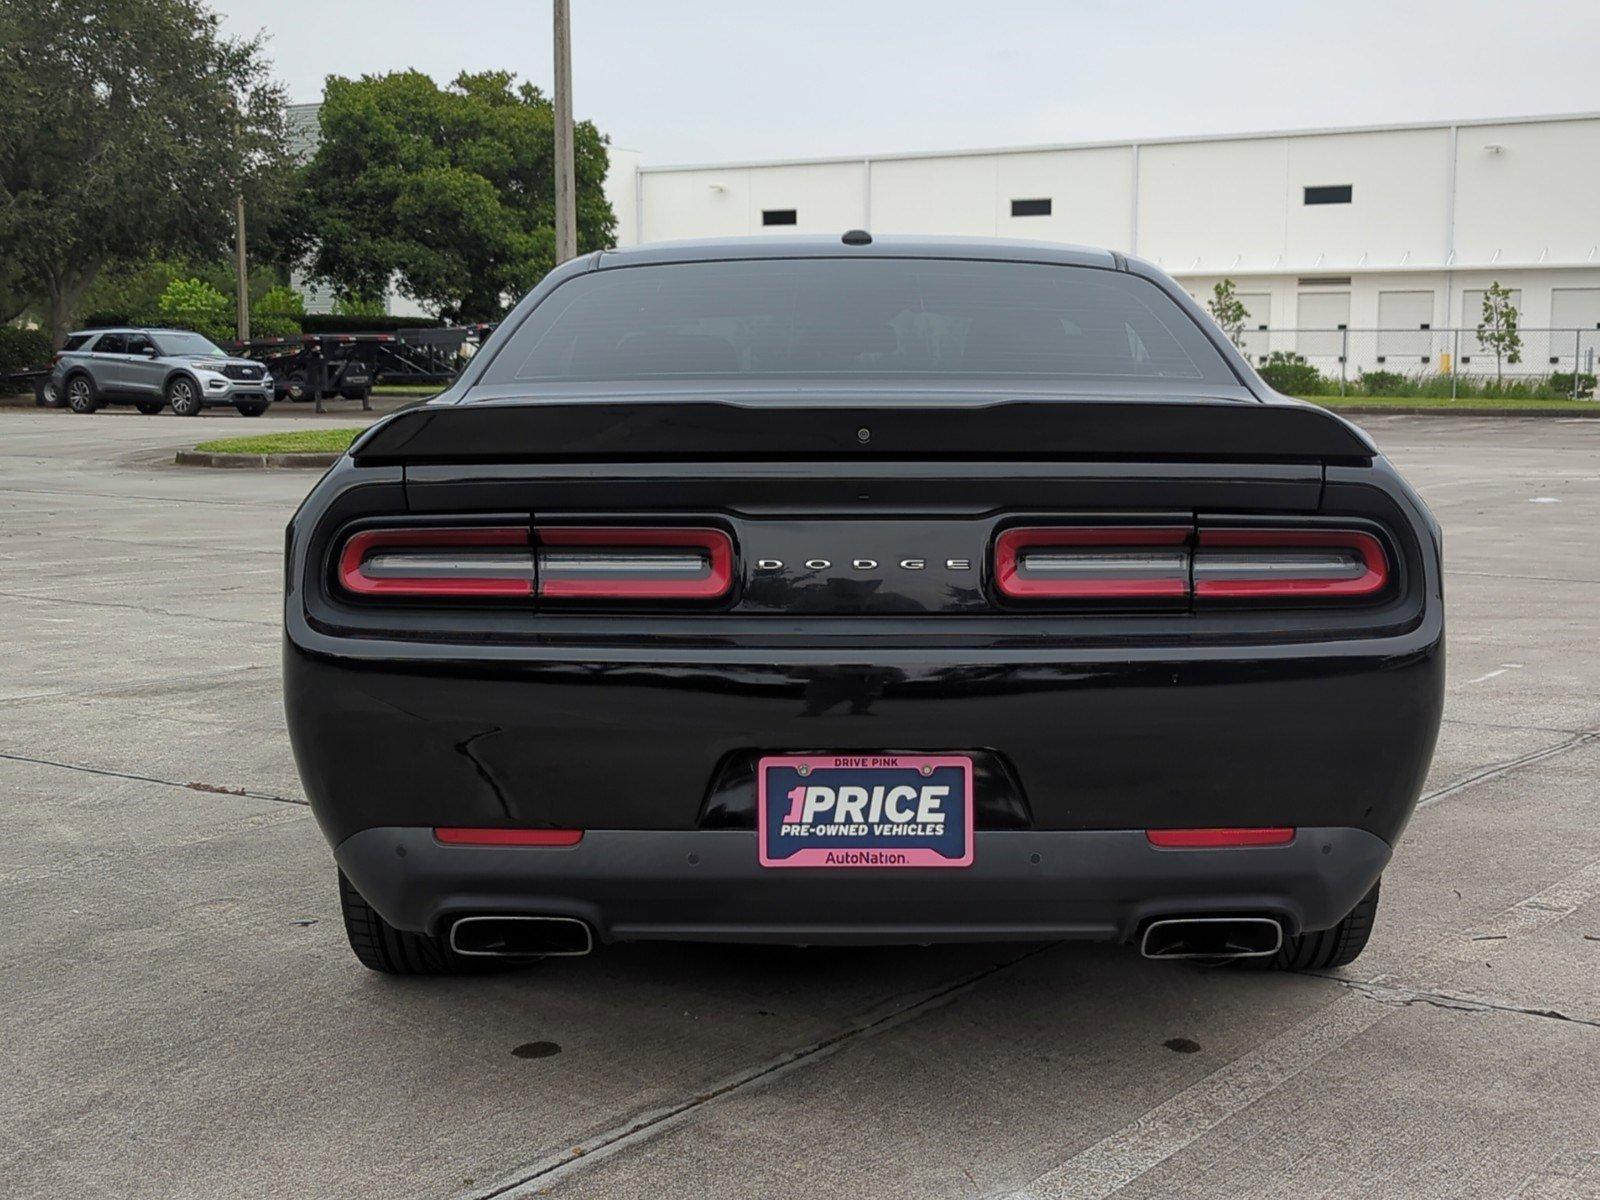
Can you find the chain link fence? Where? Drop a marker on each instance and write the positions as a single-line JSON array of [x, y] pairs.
[[1434, 362]]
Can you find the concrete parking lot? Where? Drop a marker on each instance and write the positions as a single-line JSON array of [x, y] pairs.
[[182, 1017]]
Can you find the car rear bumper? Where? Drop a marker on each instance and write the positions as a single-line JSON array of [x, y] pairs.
[[706, 885], [1079, 740]]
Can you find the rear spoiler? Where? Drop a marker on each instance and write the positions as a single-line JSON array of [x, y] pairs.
[[532, 431]]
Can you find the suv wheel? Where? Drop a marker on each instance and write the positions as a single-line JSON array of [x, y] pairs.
[[149, 407], [252, 409], [184, 396], [82, 395], [383, 948]]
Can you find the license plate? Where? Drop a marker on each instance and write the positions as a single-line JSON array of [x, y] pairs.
[[847, 810]]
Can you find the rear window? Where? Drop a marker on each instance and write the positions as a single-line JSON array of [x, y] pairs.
[[75, 341], [798, 317]]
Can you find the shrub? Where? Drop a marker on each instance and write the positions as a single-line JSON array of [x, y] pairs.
[[193, 304], [1561, 384], [341, 323], [1291, 374], [360, 306], [1513, 389], [107, 320], [1384, 383], [277, 314], [23, 348]]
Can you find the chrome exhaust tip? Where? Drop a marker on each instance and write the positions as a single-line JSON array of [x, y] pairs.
[[1212, 937], [521, 937]]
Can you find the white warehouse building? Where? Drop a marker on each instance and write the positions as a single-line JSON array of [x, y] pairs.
[[1329, 235]]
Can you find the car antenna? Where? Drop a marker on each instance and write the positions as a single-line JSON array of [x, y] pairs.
[[857, 237]]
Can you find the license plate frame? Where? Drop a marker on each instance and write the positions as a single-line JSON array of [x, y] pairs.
[[779, 809]]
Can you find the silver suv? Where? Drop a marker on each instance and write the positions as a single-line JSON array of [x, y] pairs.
[[152, 368]]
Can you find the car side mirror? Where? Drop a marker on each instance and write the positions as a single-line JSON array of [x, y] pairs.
[[148, 351]]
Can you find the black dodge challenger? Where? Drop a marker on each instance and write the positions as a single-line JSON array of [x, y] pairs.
[[861, 590]]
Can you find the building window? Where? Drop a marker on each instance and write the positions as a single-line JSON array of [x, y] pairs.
[[1338, 193], [780, 216], [1031, 208]]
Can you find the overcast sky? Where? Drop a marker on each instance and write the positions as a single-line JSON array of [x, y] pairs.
[[716, 80]]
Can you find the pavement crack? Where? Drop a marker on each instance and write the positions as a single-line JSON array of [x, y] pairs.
[[1495, 770], [191, 786], [549, 1169], [209, 618], [1405, 997]]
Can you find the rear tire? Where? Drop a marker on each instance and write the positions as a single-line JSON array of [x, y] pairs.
[[1326, 948], [46, 394], [390, 951]]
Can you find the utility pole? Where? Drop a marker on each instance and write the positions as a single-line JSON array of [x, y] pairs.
[[241, 269], [566, 196]]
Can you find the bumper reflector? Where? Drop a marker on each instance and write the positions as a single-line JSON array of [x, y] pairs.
[[1211, 839], [457, 835]]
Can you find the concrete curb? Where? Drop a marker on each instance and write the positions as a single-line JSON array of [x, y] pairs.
[[254, 462], [1392, 410]]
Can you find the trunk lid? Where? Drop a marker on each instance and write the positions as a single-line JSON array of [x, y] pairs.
[[836, 428]]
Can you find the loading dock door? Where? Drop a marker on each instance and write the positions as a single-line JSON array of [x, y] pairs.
[[1404, 338], [1320, 317], [1575, 309]]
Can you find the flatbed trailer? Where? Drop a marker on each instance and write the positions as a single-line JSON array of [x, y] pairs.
[[35, 380], [312, 366]]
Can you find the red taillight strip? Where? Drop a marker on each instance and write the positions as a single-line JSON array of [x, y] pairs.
[[459, 835], [1217, 838], [1208, 584], [360, 545], [713, 582], [1012, 579]]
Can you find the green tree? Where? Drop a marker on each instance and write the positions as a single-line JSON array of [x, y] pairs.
[[1228, 311], [195, 304], [277, 313], [131, 291], [127, 127], [449, 192], [1498, 327]]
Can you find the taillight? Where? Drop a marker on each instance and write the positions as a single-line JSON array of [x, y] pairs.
[[600, 562], [1133, 562], [1157, 564], [481, 561], [558, 562], [1284, 564]]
